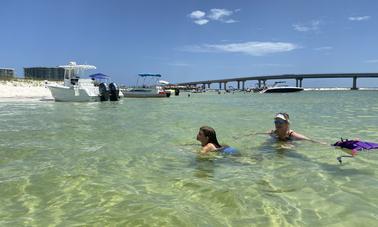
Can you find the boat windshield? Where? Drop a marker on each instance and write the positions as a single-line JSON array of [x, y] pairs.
[[73, 70], [279, 83]]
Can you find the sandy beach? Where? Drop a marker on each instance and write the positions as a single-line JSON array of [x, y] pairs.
[[24, 89]]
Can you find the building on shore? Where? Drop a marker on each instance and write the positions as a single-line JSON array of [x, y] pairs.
[[6, 73], [44, 73]]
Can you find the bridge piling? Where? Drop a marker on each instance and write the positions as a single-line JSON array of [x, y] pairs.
[[354, 87], [298, 82]]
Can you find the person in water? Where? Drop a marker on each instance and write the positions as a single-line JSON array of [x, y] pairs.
[[208, 138], [209, 142], [282, 129]]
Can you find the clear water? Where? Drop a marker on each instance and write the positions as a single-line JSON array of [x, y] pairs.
[[135, 162]]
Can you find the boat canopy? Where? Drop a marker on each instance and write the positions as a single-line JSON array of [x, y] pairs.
[[99, 76], [163, 82], [149, 75], [73, 65]]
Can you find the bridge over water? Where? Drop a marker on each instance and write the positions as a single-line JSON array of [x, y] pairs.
[[297, 77]]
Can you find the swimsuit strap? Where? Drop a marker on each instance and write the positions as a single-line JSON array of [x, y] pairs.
[[289, 135]]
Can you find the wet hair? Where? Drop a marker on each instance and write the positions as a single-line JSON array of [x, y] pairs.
[[209, 132]]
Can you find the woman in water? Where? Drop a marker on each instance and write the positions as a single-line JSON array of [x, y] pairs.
[[208, 138], [282, 131]]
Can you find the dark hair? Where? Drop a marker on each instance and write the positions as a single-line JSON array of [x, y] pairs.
[[210, 133]]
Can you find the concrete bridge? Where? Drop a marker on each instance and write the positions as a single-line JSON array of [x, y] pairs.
[[297, 77]]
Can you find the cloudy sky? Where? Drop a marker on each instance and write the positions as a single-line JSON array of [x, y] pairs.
[[193, 40]]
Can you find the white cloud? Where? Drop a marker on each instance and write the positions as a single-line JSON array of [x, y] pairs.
[[373, 61], [201, 21], [273, 65], [221, 15], [250, 48], [311, 26], [179, 64], [359, 18], [230, 21], [323, 48], [300, 28], [198, 14]]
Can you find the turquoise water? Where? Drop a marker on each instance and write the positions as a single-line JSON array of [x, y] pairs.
[[135, 162]]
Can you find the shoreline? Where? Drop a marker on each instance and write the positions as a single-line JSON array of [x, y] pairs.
[[24, 89], [36, 89]]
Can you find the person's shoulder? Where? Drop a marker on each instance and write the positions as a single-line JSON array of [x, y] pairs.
[[209, 148]]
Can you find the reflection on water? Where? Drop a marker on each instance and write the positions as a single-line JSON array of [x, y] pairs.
[[136, 162]]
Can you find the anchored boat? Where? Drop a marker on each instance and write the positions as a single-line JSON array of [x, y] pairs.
[[75, 89], [276, 88], [148, 89]]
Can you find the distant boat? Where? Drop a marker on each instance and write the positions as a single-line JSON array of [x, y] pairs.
[[76, 89], [148, 89], [280, 88]]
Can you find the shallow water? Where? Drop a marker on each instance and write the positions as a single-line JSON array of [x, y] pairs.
[[135, 162]]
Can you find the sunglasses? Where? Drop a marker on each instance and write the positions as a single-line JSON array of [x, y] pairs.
[[280, 122]]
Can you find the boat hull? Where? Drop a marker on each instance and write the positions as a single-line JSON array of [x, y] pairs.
[[145, 93], [70, 94], [134, 95], [282, 90]]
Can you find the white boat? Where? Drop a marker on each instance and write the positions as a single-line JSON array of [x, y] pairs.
[[281, 88], [147, 90], [75, 89]]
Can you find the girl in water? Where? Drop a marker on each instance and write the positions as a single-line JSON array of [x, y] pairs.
[[209, 142]]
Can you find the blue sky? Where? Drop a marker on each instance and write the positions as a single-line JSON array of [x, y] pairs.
[[193, 40]]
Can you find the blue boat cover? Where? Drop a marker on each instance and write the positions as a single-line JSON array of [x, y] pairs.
[[99, 76], [147, 75]]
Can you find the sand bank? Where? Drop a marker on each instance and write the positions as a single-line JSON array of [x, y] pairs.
[[24, 89]]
